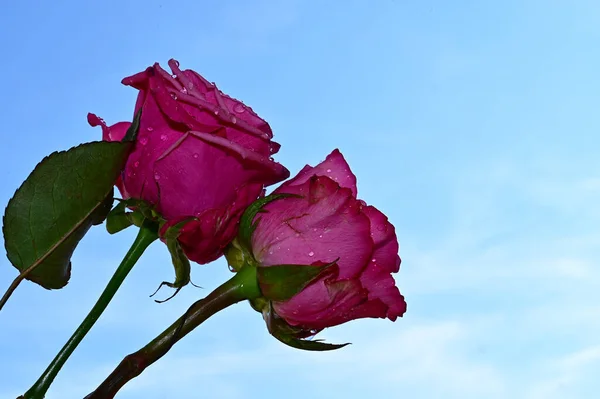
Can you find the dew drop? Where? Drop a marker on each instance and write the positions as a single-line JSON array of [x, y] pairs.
[[156, 176], [176, 63], [184, 90], [231, 269], [328, 170], [239, 108], [136, 164], [143, 141], [174, 96], [270, 252], [373, 260], [320, 235], [163, 137], [149, 128], [217, 112], [196, 155], [311, 253], [233, 120], [174, 76]]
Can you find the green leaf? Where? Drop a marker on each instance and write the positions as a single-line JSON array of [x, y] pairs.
[[247, 222], [181, 263], [118, 219], [288, 334], [121, 218], [308, 345], [132, 132], [67, 193], [282, 282]]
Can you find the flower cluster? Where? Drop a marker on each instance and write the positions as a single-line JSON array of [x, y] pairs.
[[201, 158]]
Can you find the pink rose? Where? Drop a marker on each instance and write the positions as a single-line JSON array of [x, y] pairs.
[[199, 153], [328, 222]]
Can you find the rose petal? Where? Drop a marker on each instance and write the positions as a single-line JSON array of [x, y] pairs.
[[334, 167], [190, 167], [204, 239], [115, 132], [382, 287], [317, 304], [154, 138], [324, 225], [384, 238]]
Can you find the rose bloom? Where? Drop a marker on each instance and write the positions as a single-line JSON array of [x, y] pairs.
[[199, 154], [327, 223]]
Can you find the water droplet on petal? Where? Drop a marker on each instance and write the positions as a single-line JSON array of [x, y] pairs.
[[149, 128], [311, 253], [163, 137], [320, 235], [196, 155], [136, 164], [231, 269], [176, 63], [328, 170], [184, 90], [143, 141], [217, 112], [373, 260], [233, 120], [156, 176], [270, 252], [239, 108], [174, 76], [174, 96]]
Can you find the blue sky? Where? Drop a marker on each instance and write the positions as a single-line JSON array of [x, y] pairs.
[[472, 124]]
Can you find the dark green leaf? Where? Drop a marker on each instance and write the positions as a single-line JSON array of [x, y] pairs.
[[289, 334], [281, 282], [102, 213], [118, 219], [247, 223], [180, 261], [308, 345], [134, 128], [62, 198]]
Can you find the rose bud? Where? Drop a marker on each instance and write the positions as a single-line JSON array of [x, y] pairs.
[[199, 156], [323, 225]]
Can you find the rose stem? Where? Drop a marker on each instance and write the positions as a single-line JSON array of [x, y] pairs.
[[240, 287], [146, 236]]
